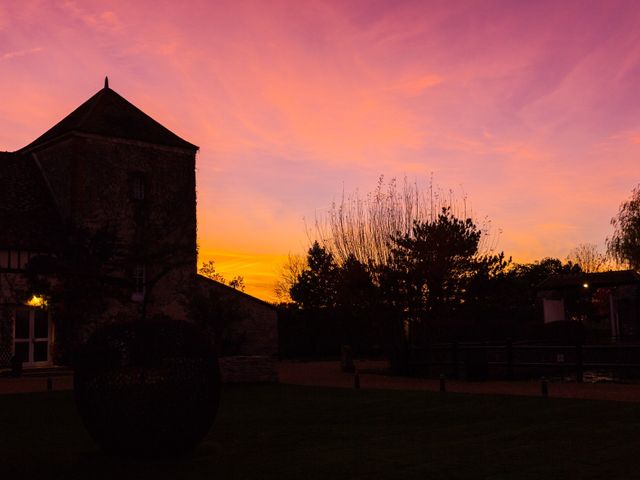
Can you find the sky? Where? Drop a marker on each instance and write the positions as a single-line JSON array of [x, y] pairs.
[[529, 109]]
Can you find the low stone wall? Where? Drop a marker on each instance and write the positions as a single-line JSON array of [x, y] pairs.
[[249, 369]]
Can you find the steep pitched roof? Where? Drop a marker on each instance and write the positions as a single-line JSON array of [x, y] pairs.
[[28, 216], [595, 280], [110, 115]]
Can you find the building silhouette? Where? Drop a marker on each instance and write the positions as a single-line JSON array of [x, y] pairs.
[[98, 224]]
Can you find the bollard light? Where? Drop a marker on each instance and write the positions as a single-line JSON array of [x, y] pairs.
[[544, 387]]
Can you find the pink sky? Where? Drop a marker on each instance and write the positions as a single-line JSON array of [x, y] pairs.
[[531, 108]]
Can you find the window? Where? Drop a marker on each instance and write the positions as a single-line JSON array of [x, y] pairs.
[[32, 335], [139, 279], [14, 259], [138, 186], [23, 260]]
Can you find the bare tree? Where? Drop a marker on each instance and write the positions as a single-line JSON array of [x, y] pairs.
[[208, 270], [288, 276], [361, 227], [589, 257], [237, 283]]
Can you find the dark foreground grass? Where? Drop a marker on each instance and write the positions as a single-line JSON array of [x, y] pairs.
[[305, 433]]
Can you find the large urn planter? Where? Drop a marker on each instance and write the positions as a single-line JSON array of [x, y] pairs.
[[147, 388]]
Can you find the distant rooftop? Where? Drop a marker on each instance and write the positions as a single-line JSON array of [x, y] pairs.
[[595, 280]]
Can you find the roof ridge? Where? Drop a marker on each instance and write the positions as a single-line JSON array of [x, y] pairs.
[[92, 107], [109, 114]]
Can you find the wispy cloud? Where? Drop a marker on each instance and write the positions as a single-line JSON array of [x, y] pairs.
[[532, 107], [20, 53], [415, 86], [105, 20]]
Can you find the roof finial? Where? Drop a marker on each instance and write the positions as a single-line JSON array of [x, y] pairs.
[[106, 82]]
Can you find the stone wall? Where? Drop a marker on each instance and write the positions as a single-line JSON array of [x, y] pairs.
[[91, 179]]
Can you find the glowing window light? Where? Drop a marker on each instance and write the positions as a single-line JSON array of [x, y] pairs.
[[37, 301]]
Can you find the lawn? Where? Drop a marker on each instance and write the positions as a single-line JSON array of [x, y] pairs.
[[306, 433]]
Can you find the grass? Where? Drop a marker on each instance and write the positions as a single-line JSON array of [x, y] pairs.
[[288, 432]]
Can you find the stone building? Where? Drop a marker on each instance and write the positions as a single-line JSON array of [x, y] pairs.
[[98, 224]]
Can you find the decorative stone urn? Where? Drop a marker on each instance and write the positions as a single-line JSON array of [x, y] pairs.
[[147, 388]]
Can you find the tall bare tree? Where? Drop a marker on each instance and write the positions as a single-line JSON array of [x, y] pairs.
[[288, 277], [362, 226], [589, 257]]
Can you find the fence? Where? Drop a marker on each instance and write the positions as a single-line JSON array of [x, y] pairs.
[[511, 361]]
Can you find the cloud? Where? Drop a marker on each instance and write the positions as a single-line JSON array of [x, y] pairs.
[[20, 53], [103, 21], [413, 87], [531, 107]]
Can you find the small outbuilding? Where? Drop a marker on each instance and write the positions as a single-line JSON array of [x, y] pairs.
[[606, 303]]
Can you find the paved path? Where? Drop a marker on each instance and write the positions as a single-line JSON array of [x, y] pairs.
[[34, 384], [328, 374]]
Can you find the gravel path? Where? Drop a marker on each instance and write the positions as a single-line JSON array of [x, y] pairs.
[[34, 384], [328, 374]]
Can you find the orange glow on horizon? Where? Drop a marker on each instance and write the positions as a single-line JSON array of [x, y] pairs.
[[259, 271], [531, 108]]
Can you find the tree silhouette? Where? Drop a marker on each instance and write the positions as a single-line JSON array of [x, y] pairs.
[[88, 275], [79, 280], [588, 257], [624, 245], [208, 270], [288, 277], [432, 267], [317, 285], [357, 302], [361, 226]]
